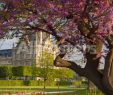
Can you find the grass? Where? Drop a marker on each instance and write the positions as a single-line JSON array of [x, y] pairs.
[[86, 92], [27, 89], [11, 89]]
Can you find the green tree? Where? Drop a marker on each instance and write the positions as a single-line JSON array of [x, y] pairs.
[[64, 73], [46, 65], [49, 72]]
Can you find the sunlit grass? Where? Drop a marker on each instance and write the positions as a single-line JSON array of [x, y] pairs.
[[87, 92], [27, 89], [12, 89]]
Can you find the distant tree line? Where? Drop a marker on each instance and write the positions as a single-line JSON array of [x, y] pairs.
[[29, 71], [11, 74]]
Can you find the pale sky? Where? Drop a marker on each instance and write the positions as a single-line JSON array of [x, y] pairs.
[[7, 43]]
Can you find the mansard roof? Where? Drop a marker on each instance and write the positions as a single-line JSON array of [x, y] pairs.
[[6, 53], [6, 44]]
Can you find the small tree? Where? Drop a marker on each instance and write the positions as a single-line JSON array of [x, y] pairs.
[[46, 63], [49, 73], [64, 75]]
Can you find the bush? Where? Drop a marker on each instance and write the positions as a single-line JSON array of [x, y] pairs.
[[5, 71], [41, 83], [36, 83], [21, 71], [20, 83], [77, 83], [26, 83], [11, 83], [50, 82], [64, 83], [32, 83], [39, 72]]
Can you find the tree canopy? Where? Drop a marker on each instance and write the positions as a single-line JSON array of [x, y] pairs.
[[75, 22], [65, 16]]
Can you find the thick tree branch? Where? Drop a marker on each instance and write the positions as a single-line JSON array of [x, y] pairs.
[[93, 75], [108, 71], [50, 27], [59, 62]]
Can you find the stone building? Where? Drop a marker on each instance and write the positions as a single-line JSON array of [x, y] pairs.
[[25, 52]]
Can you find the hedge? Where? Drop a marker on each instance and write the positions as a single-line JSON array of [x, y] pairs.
[[22, 71], [32, 83], [64, 83], [11, 83], [22, 83], [36, 83], [5, 71], [41, 83], [77, 83]]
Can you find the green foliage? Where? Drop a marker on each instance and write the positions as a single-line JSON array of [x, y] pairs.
[[49, 74], [27, 71], [47, 68], [39, 83], [47, 71], [36, 82], [22, 71], [64, 83], [5, 71], [64, 73], [77, 83], [11, 83], [38, 71], [51, 77], [25, 83], [17, 71], [46, 60]]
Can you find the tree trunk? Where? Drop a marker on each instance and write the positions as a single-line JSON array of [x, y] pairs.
[[108, 71], [102, 81]]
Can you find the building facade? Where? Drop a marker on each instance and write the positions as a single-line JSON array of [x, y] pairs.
[[27, 52]]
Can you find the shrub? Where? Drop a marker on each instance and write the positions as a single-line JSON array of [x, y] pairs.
[[36, 83], [77, 83], [5, 71], [26, 83], [50, 82], [64, 83], [21, 71], [11, 83]]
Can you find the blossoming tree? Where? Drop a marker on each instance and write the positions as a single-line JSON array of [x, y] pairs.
[[72, 22]]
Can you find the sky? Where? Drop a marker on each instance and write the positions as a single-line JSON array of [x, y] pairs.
[[8, 43]]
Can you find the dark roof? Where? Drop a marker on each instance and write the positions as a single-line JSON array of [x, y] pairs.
[[6, 44], [6, 53]]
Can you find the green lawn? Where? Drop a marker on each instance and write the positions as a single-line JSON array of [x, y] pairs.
[[15, 89], [86, 92], [27, 89]]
